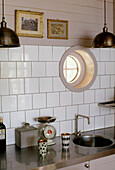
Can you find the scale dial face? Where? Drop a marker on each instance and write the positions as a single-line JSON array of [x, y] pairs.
[[49, 132]]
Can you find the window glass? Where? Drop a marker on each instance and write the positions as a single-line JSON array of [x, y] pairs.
[[70, 69]]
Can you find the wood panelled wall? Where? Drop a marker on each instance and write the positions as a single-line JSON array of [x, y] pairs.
[[85, 18]]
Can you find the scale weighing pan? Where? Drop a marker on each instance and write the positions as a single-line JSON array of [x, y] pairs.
[[46, 119]]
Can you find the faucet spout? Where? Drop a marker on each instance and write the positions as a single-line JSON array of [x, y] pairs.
[[79, 115]]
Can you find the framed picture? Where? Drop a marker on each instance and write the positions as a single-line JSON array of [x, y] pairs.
[[29, 23], [57, 29]]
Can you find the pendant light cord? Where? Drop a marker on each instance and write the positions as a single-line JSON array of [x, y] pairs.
[[3, 18], [105, 13]]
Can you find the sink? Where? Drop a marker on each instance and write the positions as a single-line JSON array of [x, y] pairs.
[[92, 141]]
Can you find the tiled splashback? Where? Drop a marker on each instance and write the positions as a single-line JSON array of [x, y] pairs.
[[30, 87]]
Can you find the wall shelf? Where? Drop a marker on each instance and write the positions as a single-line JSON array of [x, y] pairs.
[[110, 104]]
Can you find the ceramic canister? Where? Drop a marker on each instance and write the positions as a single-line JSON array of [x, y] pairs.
[[42, 145], [65, 140]]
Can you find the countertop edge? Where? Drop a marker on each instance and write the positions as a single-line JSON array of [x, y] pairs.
[[70, 162]]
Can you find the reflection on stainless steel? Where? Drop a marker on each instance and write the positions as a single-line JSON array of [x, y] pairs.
[[92, 141], [76, 121], [65, 154]]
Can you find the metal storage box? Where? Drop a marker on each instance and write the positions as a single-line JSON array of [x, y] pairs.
[[26, 136]]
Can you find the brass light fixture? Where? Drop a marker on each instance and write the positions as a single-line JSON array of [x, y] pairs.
[[8, 38], [104, 39]]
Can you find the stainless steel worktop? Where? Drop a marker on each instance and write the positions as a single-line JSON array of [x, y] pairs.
[[28, 158]]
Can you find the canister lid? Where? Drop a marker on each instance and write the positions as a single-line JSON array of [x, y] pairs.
[[26, 127]]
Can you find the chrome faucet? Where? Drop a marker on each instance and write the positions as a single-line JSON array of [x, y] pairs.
[[76, 124]]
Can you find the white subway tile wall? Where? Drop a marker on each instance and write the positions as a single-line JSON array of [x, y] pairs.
[[4, 54], [30, 87], [16, 54], [8, 69], [31, 53]]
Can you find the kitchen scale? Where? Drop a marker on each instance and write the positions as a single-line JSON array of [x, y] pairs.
[[45, 130]]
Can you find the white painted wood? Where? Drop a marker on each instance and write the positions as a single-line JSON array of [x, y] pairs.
[[105, 163], [85, 19], [76, 167]]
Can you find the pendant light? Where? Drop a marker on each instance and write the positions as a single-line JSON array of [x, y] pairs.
[[104, 39], [8, 38]]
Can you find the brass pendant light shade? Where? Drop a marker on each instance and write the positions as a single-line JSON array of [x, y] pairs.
[[8, 38], [104, 39]]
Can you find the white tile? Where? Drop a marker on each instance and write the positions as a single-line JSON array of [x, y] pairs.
[[45, 84], [9, 103], [105, 81], [58, 85], [24, 102], [52, 99], [16, 54], [104, 111], [65, 127], [112, 54], [99, 95], [111, 111], [57, 53], [39, 101], [31, 85], [17, 119], [77, 98], [31, 115], [8, 69], [109, 120], [46, 112], [23, 69], [10, 136], [38, 69], [4, 87], [110, 68], [52, 69], [89, 96], [4, 54], [0, 104], [16, 86], [59, 113], [83, 109], [31, 53], [6, 119], [71, 112], [90, 126], [110, 94], [113, 81], [101, 68], [95, 52], [94, 109], [95, 84], [65, 98], [45, 53], [104, 54], [99, 122]]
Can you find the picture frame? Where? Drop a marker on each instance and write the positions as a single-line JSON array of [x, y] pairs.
[[29, 23], [57, 29]]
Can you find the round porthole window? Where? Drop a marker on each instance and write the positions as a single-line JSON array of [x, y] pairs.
[[78, 69]]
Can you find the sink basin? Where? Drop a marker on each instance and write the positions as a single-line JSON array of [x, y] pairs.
[[92, 141]]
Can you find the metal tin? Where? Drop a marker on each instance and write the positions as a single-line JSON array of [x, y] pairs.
[[26, 136]]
